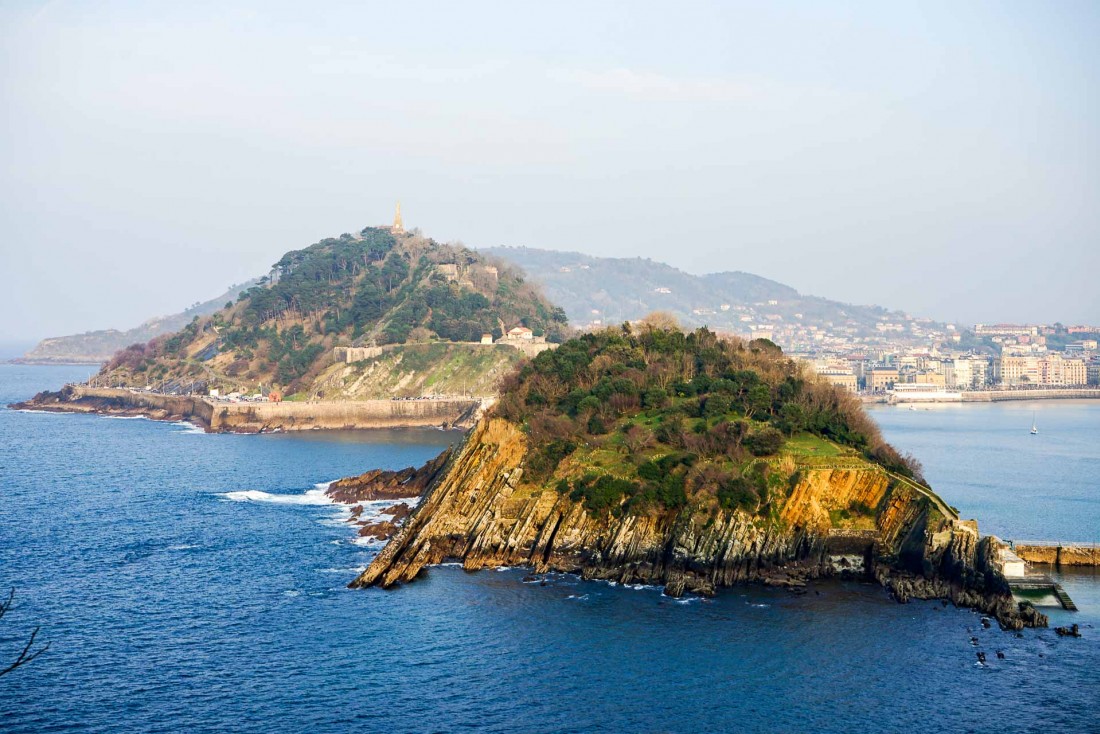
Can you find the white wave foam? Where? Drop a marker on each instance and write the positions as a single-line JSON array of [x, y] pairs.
[[582, 597], [310, 497], [182, 547], [189, 428], [357, 569]]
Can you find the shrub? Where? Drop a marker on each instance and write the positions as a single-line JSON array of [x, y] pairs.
[[602, 492], [737, 493], [655, 397], [763, 442]]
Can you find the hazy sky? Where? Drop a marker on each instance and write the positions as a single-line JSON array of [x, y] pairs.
[[943, 158]]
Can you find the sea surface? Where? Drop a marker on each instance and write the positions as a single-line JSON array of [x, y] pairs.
[[196, 583]]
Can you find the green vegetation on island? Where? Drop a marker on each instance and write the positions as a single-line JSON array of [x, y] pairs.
[[634, 419], [378, 288]]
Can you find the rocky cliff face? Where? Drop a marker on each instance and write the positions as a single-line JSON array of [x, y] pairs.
[[478, 509]]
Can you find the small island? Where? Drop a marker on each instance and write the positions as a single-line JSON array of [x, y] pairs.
[[649, 455]]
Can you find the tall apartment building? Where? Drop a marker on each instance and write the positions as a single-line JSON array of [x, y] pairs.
[[1012, 370], [966, 373], [1055, 370], [1050, 369]]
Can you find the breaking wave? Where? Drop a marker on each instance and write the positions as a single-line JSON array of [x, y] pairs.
[[315, 496]]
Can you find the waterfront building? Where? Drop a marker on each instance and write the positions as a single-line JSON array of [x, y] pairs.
[[966, 373], [930, 378], [1056, 370], [914, 393], [880, 379], [1012, 370], [1049, 369]]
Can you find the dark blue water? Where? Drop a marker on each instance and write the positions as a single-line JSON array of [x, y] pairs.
[[173, 602]]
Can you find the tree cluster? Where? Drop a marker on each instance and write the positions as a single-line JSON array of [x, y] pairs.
[[692, 412]]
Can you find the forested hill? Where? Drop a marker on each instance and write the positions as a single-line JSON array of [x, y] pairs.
[[374, 288], [98, 346], [632, 417], [612, 290]]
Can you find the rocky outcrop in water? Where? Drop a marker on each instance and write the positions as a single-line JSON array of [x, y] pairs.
[[477, 509], [380, 484]]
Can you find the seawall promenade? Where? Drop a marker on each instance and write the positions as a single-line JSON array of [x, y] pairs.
[[987, 396], [257, 417]]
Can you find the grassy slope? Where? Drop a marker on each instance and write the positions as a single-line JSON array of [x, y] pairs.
[[414, 370], [650, 421]]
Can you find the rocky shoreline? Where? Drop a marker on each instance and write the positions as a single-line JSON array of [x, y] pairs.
[[476, 511], [372, 486]]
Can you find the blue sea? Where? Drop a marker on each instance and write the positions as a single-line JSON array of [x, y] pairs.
[[196, 583]]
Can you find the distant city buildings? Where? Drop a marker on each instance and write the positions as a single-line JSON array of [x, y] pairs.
[[1050, 369], [948, 360]]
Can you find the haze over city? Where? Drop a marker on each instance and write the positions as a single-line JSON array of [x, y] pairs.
[[940, 159]]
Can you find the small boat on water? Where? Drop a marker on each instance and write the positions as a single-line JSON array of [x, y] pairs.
[[1034, 426]]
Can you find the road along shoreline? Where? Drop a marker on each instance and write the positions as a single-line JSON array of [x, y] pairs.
[[261, 417]]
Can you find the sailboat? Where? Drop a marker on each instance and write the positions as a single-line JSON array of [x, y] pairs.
[[1034, 426]]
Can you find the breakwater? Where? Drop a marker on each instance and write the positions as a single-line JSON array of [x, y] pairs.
[[249, 417], [996, 396], [983, 396], [1056, 553]]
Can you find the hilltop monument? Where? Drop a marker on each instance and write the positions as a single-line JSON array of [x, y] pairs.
[[398, 226]]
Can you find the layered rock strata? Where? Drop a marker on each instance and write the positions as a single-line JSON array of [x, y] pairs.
[[477, 509]]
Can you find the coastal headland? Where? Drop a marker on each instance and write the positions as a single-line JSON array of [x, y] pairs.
[[255, 417], [693, 464], [479, 510]]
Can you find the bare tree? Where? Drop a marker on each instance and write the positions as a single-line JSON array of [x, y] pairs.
[[26, 655]]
